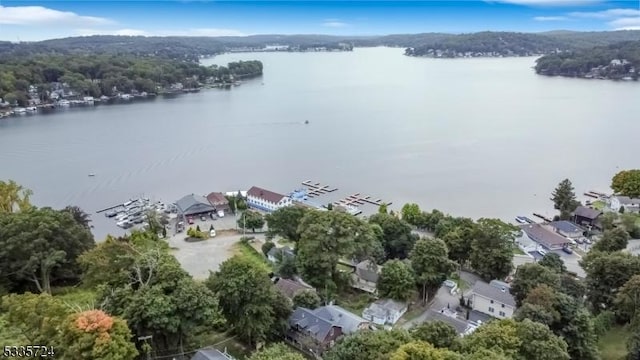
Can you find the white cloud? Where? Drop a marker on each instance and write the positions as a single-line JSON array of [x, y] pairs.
[[606, 14], [139, 32], [550, 18], [547, 2], [629, 23], [38, 15], [334, 24]]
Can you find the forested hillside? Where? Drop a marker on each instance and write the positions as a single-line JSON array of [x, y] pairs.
[[616, 61]]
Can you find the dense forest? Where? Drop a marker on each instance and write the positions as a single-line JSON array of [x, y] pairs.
[[22, 78], [616, 61]]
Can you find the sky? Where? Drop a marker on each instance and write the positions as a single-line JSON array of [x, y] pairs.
[[23, 20]]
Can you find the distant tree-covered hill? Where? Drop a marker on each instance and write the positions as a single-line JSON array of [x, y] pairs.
[[615, 61]]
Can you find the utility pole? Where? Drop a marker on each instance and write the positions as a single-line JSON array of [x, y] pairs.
[[145, 339]]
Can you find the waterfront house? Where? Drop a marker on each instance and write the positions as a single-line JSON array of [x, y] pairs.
[[212, 354], [628, 203], [545, 236], [385, 311], [493, 299], [266, 200], [219, 201], [276, 254], [192, 205], [587, 216], [365, 276], [289, 288], [567, 229]]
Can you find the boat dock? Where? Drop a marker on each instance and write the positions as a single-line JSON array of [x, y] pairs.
[[357, 199], [109, 208], [589, 194], [317, 189], [542, 217]]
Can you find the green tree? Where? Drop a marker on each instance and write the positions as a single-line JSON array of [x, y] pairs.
[[327, 236], [396, 280], [528, 277], [499, 335], [431, 266], [423, 351], [411, 214], [383, 209], [287, 267], [539, 342], [248, 300], [608, 220], [564, 199], [606, 274], [627, 182], [492, 249], [459, 240], [437, 333], [14, 197], [368, 345], [306, 298], [39, 247], [81, 217], [573, 286], [553, 262], [627, 302], [251, 220], [397, 239], [612, 240], [277, 351], [36, 317], [95, 335], [285, 222], [633, 344]]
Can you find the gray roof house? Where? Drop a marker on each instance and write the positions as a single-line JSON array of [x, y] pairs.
[[193, 205], [567, 228], [365, 276], [385, 311], [546, 237], [211, 354], [493, 299], [450, 317], [290, 288], [586, 216], [348, 321]]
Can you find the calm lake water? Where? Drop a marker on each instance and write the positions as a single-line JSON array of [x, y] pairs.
[[473, 137]]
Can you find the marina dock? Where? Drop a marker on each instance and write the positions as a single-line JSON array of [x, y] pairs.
[[542, 217], [317, 189], [358, 199]]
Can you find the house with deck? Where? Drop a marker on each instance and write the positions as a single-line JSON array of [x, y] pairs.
[[267, 200], [629, 204], [493, 299], [365, 277], [586, 216], [385, 311]]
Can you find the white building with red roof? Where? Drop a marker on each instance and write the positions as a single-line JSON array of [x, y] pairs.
[[266, 200]]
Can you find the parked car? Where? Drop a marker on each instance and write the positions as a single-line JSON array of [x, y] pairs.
[[542, 252], [212, 232], [190, 220], [212, 215], [567, 250], [220, 213], [203, 217], [579, 241]]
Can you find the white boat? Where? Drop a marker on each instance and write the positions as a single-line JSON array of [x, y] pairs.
[[19, 111], [31, 109], [64, 103], [126, 96]]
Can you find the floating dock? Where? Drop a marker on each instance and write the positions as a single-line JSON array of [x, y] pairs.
[[591, 195], [357, 199], [317, 189], [542, 217]]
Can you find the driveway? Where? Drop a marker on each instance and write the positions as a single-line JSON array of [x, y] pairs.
[[198, 258]]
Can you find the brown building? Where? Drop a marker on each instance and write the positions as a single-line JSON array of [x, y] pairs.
[[219, 201]]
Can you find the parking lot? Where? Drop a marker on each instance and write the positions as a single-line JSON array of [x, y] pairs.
[[228, 222]]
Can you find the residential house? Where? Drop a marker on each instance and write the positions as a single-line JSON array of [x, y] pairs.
[[493, 299], [211, 354], [365, 276], [191, 205], [545, 236], [267, 200], [219, 201], [385, 311], [567, 229], [628, 203], [587, 216], [317, 330], [276, 254], [289, 288]]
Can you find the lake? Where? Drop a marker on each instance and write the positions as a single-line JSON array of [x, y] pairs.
[[472, 137]]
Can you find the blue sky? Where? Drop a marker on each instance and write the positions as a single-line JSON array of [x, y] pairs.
[[37, 20]]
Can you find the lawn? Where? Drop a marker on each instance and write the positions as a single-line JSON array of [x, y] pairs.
[[613, 344], [354, 301], [598, 205], [246, 250]]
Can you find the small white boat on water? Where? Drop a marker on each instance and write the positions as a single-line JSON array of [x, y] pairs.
[[92, 175], [31, 109], [19, 111], [63, 103]]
